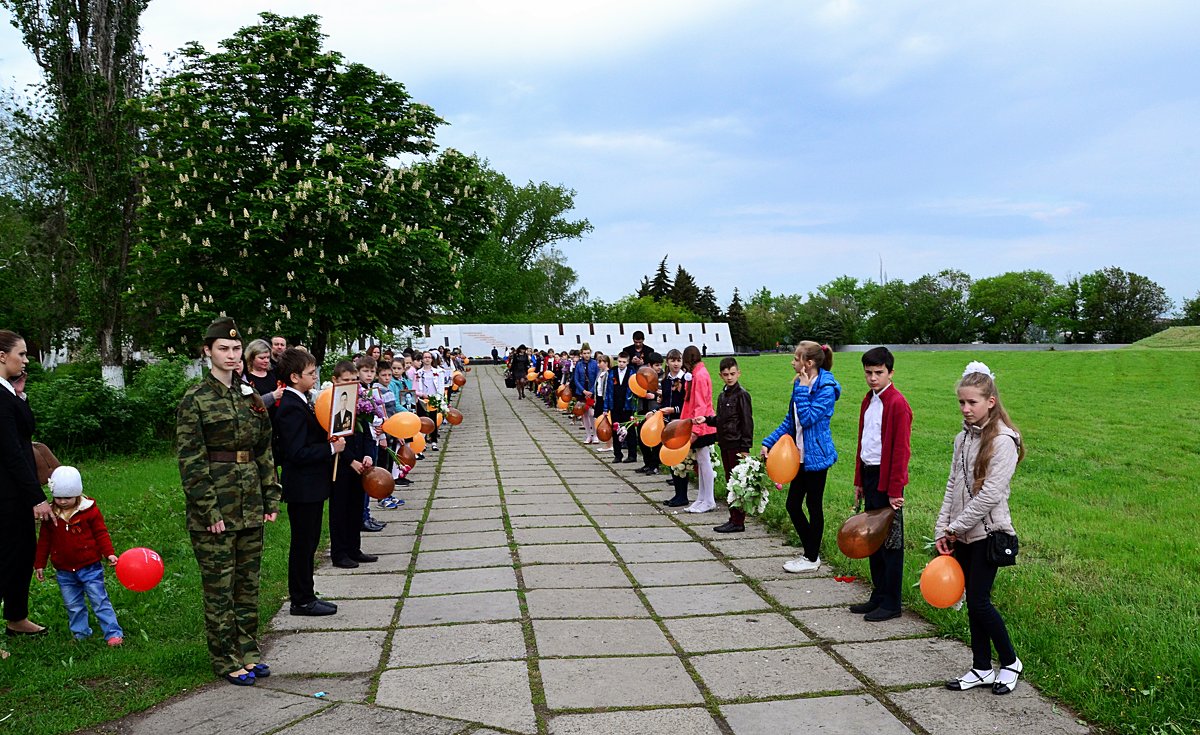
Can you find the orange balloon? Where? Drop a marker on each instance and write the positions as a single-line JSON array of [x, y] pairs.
[[672, 457], [466, 361], [677, 434], [531, 375], [454, 416], [454, 387], [403, 425], [324, 407], [427, 426], [636, 388], [548, 375], [561, 404], [437, 419], [652, 429], [942, 582], [418, 442], [604, 427], [783, 461]]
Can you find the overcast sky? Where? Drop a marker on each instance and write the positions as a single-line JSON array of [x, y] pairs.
[[784, 144]]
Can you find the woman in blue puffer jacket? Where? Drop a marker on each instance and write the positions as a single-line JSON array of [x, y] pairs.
[[814, 392]]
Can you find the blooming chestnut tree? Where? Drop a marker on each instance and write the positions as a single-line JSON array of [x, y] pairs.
[[274, 191]]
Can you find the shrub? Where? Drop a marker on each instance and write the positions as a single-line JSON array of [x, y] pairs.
[[156, 390], [83, 416]]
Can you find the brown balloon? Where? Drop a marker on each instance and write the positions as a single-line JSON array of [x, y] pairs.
[[647, 377], [579, 409], [406, 455], [459, 379], [454, 416], [427, 425], [378, 483], [677, 434], [604, 428], [863, 533], [46, 462]]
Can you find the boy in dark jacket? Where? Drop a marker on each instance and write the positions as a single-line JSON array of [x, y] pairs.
[[880, 474], [735, 432]]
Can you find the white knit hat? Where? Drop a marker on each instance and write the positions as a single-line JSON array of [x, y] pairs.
[[65, 482]]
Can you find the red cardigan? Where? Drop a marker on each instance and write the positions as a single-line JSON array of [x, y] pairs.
[[75, 543], [897, 432]]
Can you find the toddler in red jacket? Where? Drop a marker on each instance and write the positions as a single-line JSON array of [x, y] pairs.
[[76, 540]]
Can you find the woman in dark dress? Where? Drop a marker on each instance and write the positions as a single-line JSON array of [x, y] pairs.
[[21, 497], [260, 375]]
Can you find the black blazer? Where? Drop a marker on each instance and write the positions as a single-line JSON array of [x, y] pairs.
[[18, 471], [304, 453]]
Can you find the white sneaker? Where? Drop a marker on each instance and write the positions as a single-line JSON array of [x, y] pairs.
[[796, 566], [697, 508]]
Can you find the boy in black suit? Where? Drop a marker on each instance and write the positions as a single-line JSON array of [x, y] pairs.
[[306, 456]]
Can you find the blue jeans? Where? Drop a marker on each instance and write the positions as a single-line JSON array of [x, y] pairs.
[[88, 582]]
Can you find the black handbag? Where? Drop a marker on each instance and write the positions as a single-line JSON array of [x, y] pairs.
[[510, 381], [1002, 548]]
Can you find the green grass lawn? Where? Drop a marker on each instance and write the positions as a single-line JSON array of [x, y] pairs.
[[1104, 603], [54, 685]]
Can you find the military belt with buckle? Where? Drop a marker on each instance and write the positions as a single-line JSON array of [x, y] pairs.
[[241, 457]]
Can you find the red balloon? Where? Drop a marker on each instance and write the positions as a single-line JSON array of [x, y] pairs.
[[139, 569]]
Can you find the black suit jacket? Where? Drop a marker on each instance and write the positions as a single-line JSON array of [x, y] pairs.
[[18, 471], [304, 453]]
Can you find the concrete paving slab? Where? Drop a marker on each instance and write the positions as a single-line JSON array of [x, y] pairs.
[[708, 518], [569, 535], [703, 600], [565, 554], [464, 559], [841, 625], [385, 564], [673, 721], [628, 682], [754, 548], [560, 508], [655, 534], [462, 514], [358, 719], [772, 673], [563, 576], [801, 591], [672, 573], [342, 652], [475, 502], [599, 637], [463, 580], [351, 614], [343, 688], [495, 693], [733, 632], [376, 544], [848, 714], [635, 553], [940, 710], [449, 644], [434, 528], [216, 710], [904, 662], [766, 569], [401, 525], [472, 607], [624, 510], [451, 541], [585, 603], [376, 585], [631, 521], [753, 531], [549, 521], [447, 490]]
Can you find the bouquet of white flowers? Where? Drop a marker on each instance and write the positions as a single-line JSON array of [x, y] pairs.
[[436, 404], [687, 467], [749, 486]]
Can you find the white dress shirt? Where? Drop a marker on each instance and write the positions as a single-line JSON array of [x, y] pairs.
[[872, 435]]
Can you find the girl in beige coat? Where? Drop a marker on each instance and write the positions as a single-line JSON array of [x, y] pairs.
[[986, 454]]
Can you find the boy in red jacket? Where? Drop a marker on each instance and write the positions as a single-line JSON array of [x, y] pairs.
[[880, 474], [76, 540]]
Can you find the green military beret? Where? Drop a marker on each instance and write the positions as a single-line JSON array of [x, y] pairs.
[[223, 328]]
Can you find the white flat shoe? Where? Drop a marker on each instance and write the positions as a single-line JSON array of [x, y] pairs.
[[1006, 680], [697, 508], [971, 679], [797, 566]]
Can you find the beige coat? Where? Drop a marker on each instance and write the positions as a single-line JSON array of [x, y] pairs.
[[972, 517]]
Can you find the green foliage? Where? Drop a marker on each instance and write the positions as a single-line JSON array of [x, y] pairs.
[[1119, 307], [272, 164], [739, 328], [156, 390], [646, 309], [684, 290], [930, 310], [1190, 312], [660, 285], [1008, 307]]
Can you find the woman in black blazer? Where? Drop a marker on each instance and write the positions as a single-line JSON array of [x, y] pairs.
[[21, 496]]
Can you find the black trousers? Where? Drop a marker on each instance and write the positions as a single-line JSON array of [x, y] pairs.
[[631, 438], [887, 565], [808, 491], [305, 521], [346, 514], [18, 541], [650, 454], [987, 627]]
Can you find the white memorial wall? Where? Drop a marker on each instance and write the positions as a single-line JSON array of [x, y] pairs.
[[609, 338]]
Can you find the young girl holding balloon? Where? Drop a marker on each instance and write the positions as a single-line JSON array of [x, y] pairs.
[[814, 392], [986, 453]]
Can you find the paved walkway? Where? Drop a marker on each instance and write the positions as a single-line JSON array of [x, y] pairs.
[[536, 590]]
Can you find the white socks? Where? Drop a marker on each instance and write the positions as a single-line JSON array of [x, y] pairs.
[[705, 476]]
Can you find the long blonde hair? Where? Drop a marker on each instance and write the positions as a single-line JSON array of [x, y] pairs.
[[986, 385]]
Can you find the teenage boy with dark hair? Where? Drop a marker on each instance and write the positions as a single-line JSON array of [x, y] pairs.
[[638, 352], [880, 474], [735, 432], [346, 497], [306, 461], [618, 401], [645, 406]]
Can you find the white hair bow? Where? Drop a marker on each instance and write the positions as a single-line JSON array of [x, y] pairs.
[[978, 367]]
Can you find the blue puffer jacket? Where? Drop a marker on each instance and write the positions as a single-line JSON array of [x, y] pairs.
[[584, 377], [812, 408]]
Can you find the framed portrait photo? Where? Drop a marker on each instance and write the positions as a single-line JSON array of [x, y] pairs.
[[343, 409]]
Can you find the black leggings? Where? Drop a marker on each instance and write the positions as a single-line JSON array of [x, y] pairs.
[[808, 490], [987, 627]]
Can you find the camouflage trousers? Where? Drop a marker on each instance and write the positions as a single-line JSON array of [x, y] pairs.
[[229, 565]]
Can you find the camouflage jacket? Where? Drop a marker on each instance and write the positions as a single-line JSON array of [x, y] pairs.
[[213, 418]]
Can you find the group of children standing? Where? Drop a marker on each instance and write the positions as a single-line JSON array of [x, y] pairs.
[[975, 503]]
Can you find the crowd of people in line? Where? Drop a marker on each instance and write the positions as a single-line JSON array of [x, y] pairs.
[[975, 503]]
